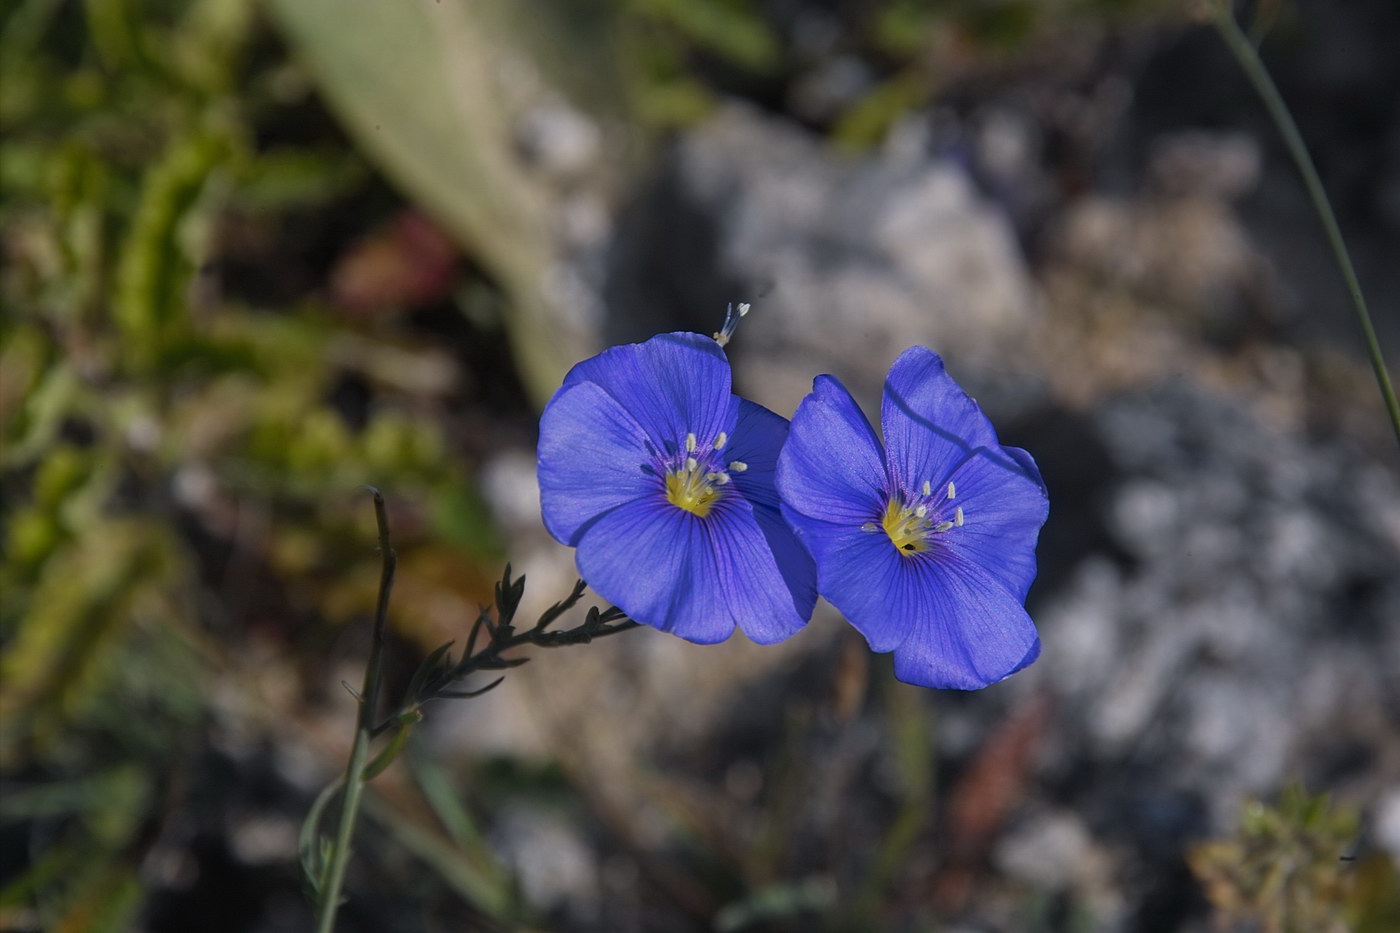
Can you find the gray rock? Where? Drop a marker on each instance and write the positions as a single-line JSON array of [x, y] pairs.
[[553, 862], [558, 140], [848, 261], [1197, 163], [1236, 624], [1048, 850]]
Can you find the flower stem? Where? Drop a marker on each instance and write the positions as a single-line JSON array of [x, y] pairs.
[[1258, 75], [364, 726]]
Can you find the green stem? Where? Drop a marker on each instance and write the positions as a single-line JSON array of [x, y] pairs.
[[915, 751], [364, 727], [1258, 75]]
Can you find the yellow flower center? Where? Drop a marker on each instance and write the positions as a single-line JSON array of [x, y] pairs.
[[696, 482], [691, 489], [911, 527], [908, 530]]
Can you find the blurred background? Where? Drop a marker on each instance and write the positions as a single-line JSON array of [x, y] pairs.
[[258, 254]]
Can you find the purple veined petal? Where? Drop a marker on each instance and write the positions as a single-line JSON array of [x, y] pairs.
[[1030, 658], [655, 562], [756, 442], [766, 574], [858, 572], [1004, 506], [967, 631], [831, 467], [930, 424], [592, 458], [759, 436], [673, 385]]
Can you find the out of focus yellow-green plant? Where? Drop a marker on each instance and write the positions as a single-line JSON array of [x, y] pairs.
[[159, 422], [1288, 868]]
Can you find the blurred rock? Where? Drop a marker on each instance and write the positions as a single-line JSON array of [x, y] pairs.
[[1049, 850], [1187, 255], [558, 140], [552, 861], [848, 261], [1233, 625], [1388, 822], [1196, 163], [832, 86]]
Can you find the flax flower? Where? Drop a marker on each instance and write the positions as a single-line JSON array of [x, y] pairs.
[[925, 543], [663, 480]]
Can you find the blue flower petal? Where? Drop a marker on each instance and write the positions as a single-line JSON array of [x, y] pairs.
[[698, 578], [656, 563], [930, 424], [1004, 505], [673, 385], [967, 630], [831, 467], [858, 571], [1029, 659], [758, 440], [592, 458], [767, 576]]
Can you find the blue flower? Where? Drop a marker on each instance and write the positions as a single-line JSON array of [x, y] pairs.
[[927, 545], [663, 480]]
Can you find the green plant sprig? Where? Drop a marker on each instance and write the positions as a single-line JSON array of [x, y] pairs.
[[438, 672], [324, 861]]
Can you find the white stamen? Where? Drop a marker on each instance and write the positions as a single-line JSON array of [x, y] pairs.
[[691, 464], [720, 478], [921, 511], [738, 466], [870, 526], [942, 526], [731, 322], [958, 517], [690, 444], [952, 490], [721, 441], [928, 488]]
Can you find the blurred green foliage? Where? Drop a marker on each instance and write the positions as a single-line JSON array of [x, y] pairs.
[[156, 421], [924, 45], [1288, 869]]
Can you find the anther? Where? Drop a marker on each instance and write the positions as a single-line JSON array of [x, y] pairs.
[[738, 466], [942, 526], [952, 490], [721, 440], [720, 478], [958, 517], [928, 488], [921, 511], [690, 444], [691, 464]]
